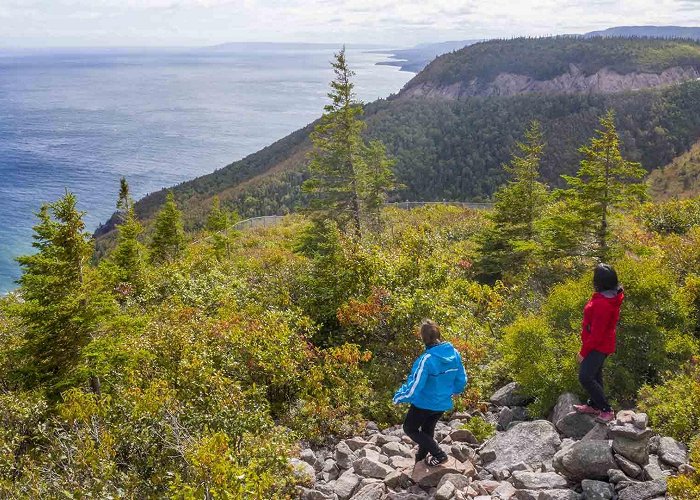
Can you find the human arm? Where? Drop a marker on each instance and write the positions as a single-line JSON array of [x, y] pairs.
[[415, 382]]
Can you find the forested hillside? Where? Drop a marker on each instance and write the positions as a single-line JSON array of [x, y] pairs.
[[453, 149], [679, 179]]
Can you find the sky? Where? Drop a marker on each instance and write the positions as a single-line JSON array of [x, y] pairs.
[[400, 23]]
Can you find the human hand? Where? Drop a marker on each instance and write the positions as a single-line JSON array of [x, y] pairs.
[[579, 358]]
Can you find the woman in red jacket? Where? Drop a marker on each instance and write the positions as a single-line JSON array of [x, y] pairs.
[[600, 317]]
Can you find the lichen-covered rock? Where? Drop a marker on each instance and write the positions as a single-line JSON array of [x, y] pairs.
[[558, 495], [529, 442], [643, 491], [510, 395], [373, 491], [538, 480], [672, 452], [628, 467], [346, 484], [366, 467], [303, 471], [597, 490], [344, 456], [585, 460]]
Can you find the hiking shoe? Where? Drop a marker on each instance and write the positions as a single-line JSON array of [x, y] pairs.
[[586, 410], [605, 417], [420, 457], [435, 461]]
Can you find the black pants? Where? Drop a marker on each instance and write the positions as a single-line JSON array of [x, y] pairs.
[[419, 425], [590, 375]]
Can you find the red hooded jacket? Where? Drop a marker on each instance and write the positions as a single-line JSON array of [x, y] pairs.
[[600, 317]]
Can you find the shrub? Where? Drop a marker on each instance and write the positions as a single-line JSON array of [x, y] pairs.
[[480, 428], [671, 217], [687, 487]]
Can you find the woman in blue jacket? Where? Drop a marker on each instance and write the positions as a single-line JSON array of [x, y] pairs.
[[436, 376]]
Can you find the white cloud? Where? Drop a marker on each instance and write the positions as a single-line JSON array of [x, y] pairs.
[[395, 22]]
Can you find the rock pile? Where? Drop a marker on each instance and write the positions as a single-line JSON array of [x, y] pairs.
[[568, 457]]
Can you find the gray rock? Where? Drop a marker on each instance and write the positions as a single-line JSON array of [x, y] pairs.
[[396, 449], [463, 436], [330, 470], [344, 456], [643, 491], [672, 452], [510, 395], [383, 439], [366, 467], [687, 470], [558, 495], [565, 405], [303, 471], [505, 417], [346, 485], [309, 494], [429, 477], [310, 458], [630, 432], [356, 443], [398, 462], [445, 492], [526, 494], [529, 442], [575, 425], [596, 490], [520, 413], [598, 433], [585, 460], [373, 491], [654, 444], [653, 470], [635, 450], [463, 453], [505, 490], [640, 420], [405, 495], [628, 467], [538, 480], [460, 481], [616, 476], [398, 479], [521, 466], [371, 453]]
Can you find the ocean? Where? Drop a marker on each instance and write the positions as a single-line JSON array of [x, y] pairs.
[[78, 120]]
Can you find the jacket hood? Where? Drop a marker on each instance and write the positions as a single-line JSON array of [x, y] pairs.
[[445, 352], [613, 296]]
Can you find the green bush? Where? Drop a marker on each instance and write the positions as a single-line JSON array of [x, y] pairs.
[[671, 217], [480, 428]]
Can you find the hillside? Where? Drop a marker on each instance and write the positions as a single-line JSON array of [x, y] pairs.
[[557, 65], [691, 32], [679, 179], [416, 58], [453, 148]]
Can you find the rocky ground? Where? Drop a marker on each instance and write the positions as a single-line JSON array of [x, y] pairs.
[[567, 457]]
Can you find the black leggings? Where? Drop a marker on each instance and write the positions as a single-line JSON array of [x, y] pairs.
[[419, 425], [591, 377]]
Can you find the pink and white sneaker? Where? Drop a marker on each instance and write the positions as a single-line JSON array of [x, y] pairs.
[[586, 410], [605, 417]]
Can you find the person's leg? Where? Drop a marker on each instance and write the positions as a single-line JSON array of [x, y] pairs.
[[412, 424], [590, 375], [428, 429]]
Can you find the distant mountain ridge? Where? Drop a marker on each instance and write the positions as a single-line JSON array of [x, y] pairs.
[[453, 149], [689, 32]]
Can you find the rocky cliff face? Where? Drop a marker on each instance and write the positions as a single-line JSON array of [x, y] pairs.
[[572, 82]]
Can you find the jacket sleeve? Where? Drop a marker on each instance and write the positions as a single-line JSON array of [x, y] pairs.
[[416, 381], [594, 329], [460, 382]]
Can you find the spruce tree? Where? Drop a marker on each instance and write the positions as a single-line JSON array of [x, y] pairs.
[[507, 244], [337, 154], [128, 255], [605, 182], [375, 180], [63, 299], [168, 241], [218, 223]]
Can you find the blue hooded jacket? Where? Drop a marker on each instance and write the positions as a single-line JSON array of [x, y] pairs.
[[436, 375]]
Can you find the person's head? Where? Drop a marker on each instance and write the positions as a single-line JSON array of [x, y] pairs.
[[604, 278], [429, 332]]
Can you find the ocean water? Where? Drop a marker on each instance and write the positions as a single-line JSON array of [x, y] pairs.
[[78, 120]]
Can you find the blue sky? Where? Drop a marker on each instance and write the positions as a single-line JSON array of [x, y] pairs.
[[392, 22]]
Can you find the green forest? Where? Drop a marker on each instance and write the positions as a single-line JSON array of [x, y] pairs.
[[453, 150], [191, 364]]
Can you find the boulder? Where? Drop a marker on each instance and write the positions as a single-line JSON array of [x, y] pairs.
[[367, 467], [463, 436], [505, 491], [510, 395], [598, 433], [538, 480], [373, 491], [653, 470], [463, 453], [346, 484], [356, 443], [398, 479], [428, 477], [460, 481], [310, 458], [628, 467], [344, 456], [576, 425], [445, 492], [643, 491], [505, 417], [565, 405], [585, 460], [309, 494], [596, 490], [401, 463], [528, 442], [672, 452], [616, 476], [640, 420], [303, 471], [396, 449], [405, 495], [636, 451], [330, 470], [558, 495], [527, 494]]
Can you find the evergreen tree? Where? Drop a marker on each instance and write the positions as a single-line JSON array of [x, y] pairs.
[[124, 202], [129, 253], [168, 240], [218, 224], [605, 181], [375, 180], [518, 204], [63, 299], [337, 154]]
